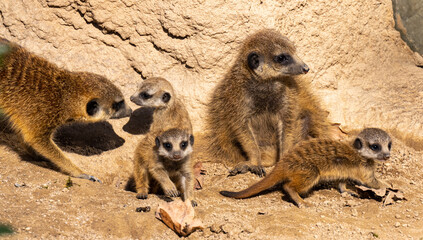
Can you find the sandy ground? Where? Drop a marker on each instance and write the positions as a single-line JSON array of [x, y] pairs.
[[37, 205]]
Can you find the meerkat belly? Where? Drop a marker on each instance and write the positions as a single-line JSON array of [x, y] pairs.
[[265, 127]]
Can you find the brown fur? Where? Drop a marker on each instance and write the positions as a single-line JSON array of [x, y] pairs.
[[166, 116], [316, 160], [255, 115], [38, 97], [172, 114], [153, 169]]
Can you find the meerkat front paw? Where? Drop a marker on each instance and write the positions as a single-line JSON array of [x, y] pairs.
[[142, 195], [171, 191]]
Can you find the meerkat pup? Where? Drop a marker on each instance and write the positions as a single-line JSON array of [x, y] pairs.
[[169, 111], [319, 160], [165, 159], [262, 107], [37, 97]]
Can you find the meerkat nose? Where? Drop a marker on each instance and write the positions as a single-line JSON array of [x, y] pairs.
[[386, 156], [305, 69]]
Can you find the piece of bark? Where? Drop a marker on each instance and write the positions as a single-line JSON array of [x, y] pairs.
[[393, 196], [199, 171], [386, 195], [179, 216]]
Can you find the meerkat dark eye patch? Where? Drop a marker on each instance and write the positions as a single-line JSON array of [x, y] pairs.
[[284, 59], [389, 145], [118, 105], [358, 144], [166, 97], [92, 107], [253, 60], [168, 146], [184, 145], [375, 147], [191, 140], [145, 95]]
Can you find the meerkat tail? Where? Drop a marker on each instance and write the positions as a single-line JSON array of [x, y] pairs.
[[269, 181]]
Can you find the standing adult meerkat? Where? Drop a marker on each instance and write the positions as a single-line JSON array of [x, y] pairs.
[[37, 96], [262, 107], [165, 160], [169, 111], [319, 160]]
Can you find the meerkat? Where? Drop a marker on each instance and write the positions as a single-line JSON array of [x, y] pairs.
[[262, 107], [320, 160], [37, 97], [166, 160], [169, 112]]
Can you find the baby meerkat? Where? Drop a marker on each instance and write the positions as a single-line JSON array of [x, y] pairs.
[[262, 107], [165, 159], [319, 160], [37, 97], [169, 112]]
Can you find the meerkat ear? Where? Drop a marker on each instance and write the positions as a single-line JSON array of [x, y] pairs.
[[166, 97], [253, 60], [92, 107], [157, 142], [191, 140], [358, 144]]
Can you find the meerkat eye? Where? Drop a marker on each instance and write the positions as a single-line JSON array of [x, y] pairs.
[[375, 147], [92, 107], [166, 97], [389, 145], [145, 95], [184, 145], [283, 59], [118, 105], [167, 146]]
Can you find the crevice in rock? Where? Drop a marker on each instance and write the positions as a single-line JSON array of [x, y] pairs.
[[171, 35], [159, 49], [101, 28], [138, 72]]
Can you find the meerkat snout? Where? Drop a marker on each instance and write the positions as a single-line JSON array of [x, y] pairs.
[[121, 110]]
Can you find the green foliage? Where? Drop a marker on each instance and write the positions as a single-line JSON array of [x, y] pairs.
[[4, 49], [4, 229], [69, 183]]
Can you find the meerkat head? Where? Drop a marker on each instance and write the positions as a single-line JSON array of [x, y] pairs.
[[154, 92], [269, 55], [373, 143], [103, 100], [175, 144]]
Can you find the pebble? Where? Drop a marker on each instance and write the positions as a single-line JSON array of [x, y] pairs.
[[397, 216], [215, 228], [397, 224]]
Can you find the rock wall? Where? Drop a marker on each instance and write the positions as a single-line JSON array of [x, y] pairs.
[[363, 71]]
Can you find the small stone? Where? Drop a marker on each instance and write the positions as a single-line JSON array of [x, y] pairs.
[[397, 224], [215, 228], [27, 228], [397, 216], [354, 213], [143, 209], [224, 229]]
